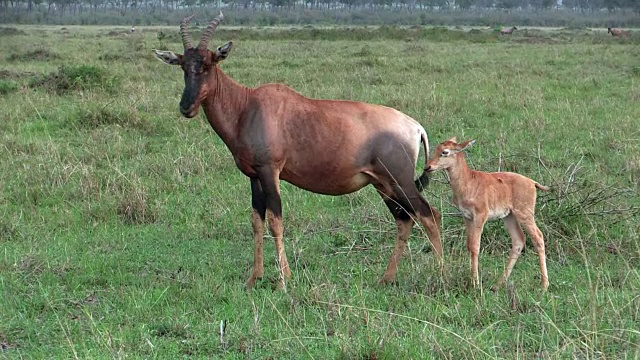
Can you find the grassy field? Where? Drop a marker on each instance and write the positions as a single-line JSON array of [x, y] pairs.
[[125, 228]]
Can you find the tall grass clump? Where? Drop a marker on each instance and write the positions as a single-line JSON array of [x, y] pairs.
[[7, 86], [134, 208], [34, 55], [69, 78], [569, 204], [94, 115], [10, 31]]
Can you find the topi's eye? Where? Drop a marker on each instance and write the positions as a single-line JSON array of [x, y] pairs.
[[445, 152]]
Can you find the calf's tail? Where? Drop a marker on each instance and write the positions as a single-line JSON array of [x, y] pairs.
[[542, 187]]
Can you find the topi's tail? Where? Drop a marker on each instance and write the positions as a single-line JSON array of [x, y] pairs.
[[423, 180]]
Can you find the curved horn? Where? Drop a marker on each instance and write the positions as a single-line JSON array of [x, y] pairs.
[[184, 32], [206, 35]]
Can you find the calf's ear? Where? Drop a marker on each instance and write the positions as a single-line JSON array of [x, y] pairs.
[[467, 144]]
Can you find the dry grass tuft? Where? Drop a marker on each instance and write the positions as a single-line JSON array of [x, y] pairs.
[[76, 78], [10, 31], [92, 117], [135, 210]]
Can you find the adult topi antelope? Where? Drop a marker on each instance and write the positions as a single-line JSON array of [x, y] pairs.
[[324, 146], [615, 32], [508, 31], [482, 196]]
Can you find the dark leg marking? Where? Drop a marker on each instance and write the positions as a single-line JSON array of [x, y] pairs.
[[259, 205]]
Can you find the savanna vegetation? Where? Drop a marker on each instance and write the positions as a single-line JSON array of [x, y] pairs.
[[125, 228]]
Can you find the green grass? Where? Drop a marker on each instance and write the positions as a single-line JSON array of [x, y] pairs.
[[125, 228]]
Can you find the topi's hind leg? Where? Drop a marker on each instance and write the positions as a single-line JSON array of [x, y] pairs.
[[394, 179], [430, 219], [271, 187], [405, 222], [428, 216]]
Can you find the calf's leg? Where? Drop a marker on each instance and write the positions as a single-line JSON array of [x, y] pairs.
[[517, 244], [537, 239], [474, 233]]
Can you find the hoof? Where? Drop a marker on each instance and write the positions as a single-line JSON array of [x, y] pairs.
[[387, 281], [281, 285], [251, 283], [286, 272]]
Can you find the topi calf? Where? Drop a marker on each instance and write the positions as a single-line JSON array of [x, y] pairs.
[[482, 196]]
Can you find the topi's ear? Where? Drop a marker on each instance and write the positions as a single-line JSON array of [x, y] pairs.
[[453, 139], [467, 144], [168, 57], [223, 51]]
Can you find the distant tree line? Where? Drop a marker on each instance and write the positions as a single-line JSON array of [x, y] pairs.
[[271, 12], [63, 6]]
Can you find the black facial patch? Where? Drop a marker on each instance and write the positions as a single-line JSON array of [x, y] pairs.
[[193, 61], [194, 67]]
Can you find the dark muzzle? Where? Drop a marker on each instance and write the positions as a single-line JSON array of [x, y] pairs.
[[189, 103]]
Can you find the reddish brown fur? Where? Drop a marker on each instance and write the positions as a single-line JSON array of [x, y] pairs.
[[615, 32], [508, 31], [324, 146], [482, 196]]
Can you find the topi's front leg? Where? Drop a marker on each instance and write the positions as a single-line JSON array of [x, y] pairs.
[[404, 230], [259, 205], [517, 244]]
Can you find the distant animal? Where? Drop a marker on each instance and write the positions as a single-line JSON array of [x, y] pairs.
[[132, 30], [482, 196], [615, 32], [508, 31], [161, 35], [328, 147]]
